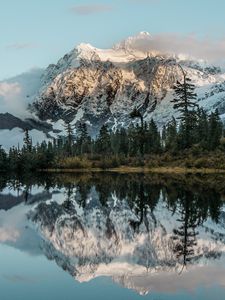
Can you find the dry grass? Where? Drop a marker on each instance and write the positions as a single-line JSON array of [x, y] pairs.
[[206, 163]]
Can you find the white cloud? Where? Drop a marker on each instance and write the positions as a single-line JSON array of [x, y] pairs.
[[90, 9], [208, 49], [16, 93], [10, 98]]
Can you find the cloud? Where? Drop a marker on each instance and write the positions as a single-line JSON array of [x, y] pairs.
[[191, 279], [189, 45], [91, 9], [16, 93], [9, 234], [21, 46], [10, 97]]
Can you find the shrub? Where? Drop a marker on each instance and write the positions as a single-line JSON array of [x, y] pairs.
[[74, 163], [109, 162]]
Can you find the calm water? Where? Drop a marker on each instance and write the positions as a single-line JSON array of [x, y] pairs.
[[102, 236]]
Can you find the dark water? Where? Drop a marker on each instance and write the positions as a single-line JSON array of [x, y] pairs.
[[102, 236]]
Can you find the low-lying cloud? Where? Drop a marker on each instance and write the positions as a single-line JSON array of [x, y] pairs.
[[90, 9], [190, 45], [10, 98], [16, 93]]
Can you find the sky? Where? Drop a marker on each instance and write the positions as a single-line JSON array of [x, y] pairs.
[[36, 33]]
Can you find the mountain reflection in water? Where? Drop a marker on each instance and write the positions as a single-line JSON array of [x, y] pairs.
[[146, 232]]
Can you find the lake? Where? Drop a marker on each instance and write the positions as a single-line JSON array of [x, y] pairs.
[[112, 236]]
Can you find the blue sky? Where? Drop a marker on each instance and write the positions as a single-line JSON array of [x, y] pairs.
[[36, 33]]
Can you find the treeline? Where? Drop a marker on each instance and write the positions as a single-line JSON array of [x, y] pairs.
[[206, 133], [137, 141]]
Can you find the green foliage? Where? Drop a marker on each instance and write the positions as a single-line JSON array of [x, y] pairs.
[[103, 143], [215, 130], [185, 103], [69, 138], [83, 140], [4, 162]]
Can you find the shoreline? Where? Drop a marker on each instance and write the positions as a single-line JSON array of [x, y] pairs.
[[125, 169]]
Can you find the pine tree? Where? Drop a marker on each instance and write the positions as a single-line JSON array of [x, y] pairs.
[[83, 140], [3, 160], [27, 141], [185, 103], [185, 235], [103, 141], [153, 138], [141, 133], [123, 141], [170, 136], [202, 128], [132, 134], [69, 138], [215, 130]]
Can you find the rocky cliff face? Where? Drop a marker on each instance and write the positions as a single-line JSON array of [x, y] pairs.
[[103, 86]]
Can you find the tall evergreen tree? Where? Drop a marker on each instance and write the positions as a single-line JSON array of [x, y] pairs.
[[69, 138], [141, 134], [123, 142], [185, 102], [169, 136], [215, 130], [153, 138], [3, 160], [202, 128], [103, 141], [185, 235], [83, 140], [27, 141]]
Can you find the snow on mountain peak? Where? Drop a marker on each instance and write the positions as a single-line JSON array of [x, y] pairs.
[[144, 33], [86, 51], [137, 42]]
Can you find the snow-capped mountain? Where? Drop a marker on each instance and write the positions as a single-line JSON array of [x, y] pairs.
[[99, 86], [103, 86]]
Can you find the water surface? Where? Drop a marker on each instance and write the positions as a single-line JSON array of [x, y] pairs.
[[92, 236]]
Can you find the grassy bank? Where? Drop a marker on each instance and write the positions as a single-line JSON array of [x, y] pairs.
[[166, 163]]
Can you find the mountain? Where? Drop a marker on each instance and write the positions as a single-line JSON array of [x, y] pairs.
[[103, 86], [100, 86]]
